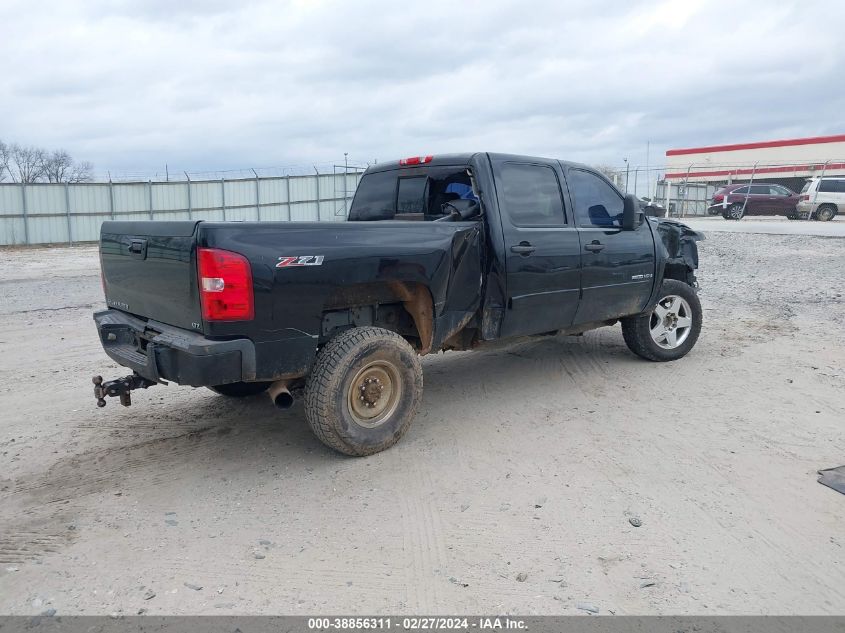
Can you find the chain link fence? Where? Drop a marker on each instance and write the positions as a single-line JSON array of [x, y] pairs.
[[687, 190]]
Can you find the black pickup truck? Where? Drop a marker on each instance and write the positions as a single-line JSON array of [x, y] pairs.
[[438, 253]]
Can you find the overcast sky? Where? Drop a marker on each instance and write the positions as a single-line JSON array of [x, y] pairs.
[[131, 85]]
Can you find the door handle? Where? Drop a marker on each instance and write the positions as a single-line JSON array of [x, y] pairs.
[[594, 246], [523, 248], [138, 249]]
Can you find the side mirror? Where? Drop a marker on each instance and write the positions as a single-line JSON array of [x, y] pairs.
[[630, 213]]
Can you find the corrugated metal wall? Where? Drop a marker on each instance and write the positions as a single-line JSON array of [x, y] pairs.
[[45, 213]]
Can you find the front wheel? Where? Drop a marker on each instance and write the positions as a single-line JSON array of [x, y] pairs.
[[669, 331], [363, 391]]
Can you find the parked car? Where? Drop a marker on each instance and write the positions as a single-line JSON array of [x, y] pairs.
[[438, 253], [652, 208], [822, 198], [734, 202]]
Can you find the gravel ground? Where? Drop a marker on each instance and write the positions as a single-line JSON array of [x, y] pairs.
[[514, 491]]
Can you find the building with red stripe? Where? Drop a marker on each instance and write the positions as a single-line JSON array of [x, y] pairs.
[[788, 161]]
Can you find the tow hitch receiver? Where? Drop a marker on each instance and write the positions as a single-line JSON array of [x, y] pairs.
[[119, 387]]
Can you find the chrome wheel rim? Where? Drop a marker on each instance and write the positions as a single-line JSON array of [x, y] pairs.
[[736, 212], [671, 322], [374, 393]]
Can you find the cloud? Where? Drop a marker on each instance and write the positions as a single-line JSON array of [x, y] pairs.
[[220, 85]]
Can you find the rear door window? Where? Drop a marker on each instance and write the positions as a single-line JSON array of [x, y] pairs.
[[832, 186], [759, 190], [531, 195]]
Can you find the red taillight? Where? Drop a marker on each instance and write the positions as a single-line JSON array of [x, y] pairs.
[[416, 160], [718, 198], [804, 197], [225, 281]]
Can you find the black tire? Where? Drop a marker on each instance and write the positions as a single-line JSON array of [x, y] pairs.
[[241, 389], [355, 367], [825, 213], [637, 330], [734, 212]]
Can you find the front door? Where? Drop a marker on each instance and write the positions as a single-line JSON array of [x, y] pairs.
[[541, 248], [617, 267], [760, 201]]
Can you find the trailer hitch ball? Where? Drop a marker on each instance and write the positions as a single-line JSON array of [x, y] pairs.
[[119, 388], [98, 380]]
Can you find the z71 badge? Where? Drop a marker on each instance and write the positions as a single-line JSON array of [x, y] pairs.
[[302, 260]]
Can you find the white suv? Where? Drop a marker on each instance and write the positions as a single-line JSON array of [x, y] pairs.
[[824, 197]]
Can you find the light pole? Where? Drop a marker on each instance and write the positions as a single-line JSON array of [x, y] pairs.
[[626, 174]]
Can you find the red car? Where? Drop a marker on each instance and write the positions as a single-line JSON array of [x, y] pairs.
[[736, 201]]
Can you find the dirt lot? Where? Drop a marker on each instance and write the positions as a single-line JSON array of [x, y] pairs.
[[526, 459]]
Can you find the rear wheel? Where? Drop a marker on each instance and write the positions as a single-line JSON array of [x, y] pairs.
[[669, 331], [825, 213], [734, 212], [363, 391], [241, 389]]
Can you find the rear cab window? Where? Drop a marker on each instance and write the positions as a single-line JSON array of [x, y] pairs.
[[417, 193]]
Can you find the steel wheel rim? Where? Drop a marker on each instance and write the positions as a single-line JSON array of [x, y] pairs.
[[374, 393], [671, 322]]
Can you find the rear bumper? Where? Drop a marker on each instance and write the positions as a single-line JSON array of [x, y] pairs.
[[162, 352]]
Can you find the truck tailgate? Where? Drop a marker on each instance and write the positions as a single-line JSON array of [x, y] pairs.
[[149, 270]]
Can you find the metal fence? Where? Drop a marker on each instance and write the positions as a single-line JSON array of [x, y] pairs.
[[685, 190], [683, 199], [44, 213]]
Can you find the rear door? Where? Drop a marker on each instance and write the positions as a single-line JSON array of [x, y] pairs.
[[541, 247], [617, 267]]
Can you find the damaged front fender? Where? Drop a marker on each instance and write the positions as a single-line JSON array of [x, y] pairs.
[[677, 251]]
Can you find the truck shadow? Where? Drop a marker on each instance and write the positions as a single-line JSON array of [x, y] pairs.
[[202, 442]]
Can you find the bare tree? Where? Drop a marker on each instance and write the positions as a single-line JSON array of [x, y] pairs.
[[60, 167], [57, 166], [4, 161], [606, 170], [613, 175], [26, 164], [82, 171]]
